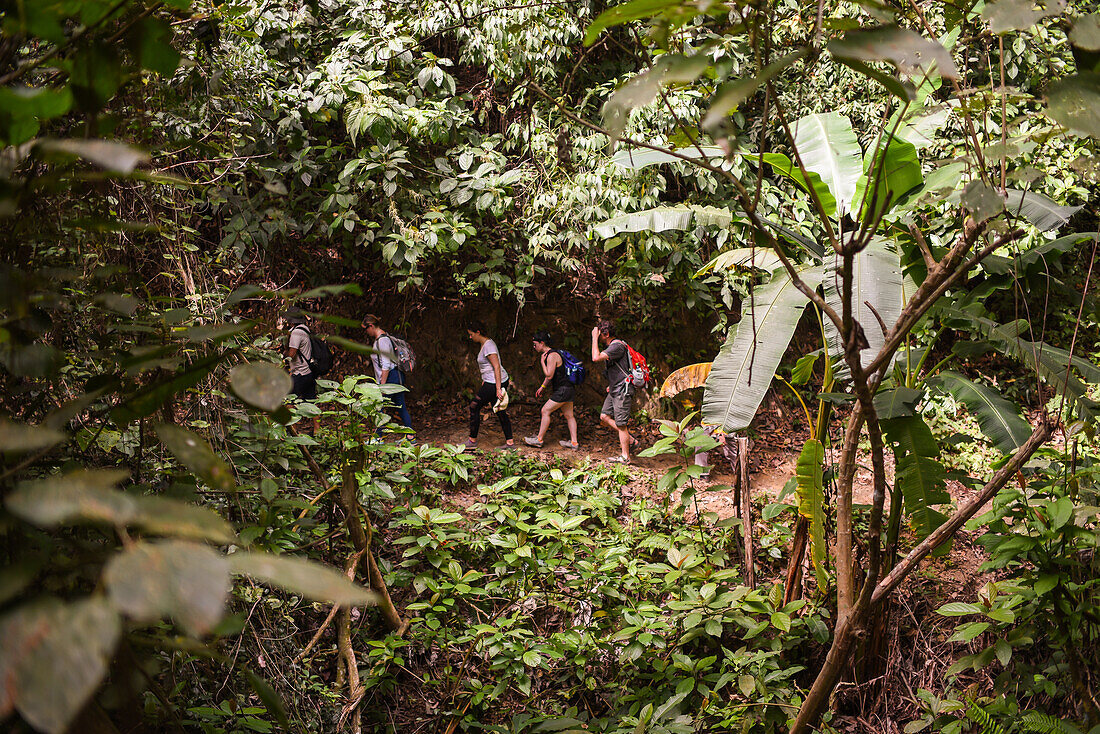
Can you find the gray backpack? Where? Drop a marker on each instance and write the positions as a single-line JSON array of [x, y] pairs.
[[403, 354]]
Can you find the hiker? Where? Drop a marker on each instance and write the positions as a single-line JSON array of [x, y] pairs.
[[615, 413], [494, 385], [561, 391], [303, 382], [386, 369], [299, 352]]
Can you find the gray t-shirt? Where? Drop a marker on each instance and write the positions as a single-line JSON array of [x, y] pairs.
[[618, 363], [383, 361], [486, 367], [299, 339]]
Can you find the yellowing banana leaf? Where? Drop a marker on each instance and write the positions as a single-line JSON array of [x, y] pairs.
[[685, 378]]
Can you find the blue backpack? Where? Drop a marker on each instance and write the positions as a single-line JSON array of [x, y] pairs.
[[574, 370]]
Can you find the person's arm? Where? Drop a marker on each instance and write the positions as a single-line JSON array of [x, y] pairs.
[[494, 359], [550, 364], [597, 355], [383, 371]]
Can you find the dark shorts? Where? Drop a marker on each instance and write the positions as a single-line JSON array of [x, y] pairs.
[[617, 405], [304, 386], [563, 394]]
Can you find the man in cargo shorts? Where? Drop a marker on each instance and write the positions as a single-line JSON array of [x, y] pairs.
[[615, 413]]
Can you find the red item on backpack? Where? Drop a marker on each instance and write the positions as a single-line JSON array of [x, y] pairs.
[[639, 368]]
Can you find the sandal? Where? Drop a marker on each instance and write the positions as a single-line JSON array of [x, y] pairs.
[[532, 441]]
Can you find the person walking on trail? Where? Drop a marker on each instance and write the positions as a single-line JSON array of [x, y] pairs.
[[494, 384], [386, 369], [303, 383], [561, 389], [615, 413]]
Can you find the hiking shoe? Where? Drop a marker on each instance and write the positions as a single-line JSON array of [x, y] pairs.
[[532, 441], [507, 447], [620, 460], [569, 445]]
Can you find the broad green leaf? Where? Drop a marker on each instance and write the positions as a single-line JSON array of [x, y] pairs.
[[186, 581], [262, 385], [998, 419], [895, 171], [909, 51], [1038, 209], [809, 473], [624, 13], [827, 146], [194, 453], [80, 496], [969, 631], [918, 472], [664, 219], [784, 166], [178, 519], [877, 284], [959, 609], [981, 200], [743, 370], [267, 694], [215, 333], [731, 94], [636, 159], [1074, 101], [900, 402], [1004, 16], [53, 657], [1061, 510], [747, 685], [107, 154], [21, 437], [152, 41], [1086, 32], [300, 576], [643, 88]]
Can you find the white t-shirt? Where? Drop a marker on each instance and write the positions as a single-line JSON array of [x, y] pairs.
[[382, 361], [486, 367], [299, 339]]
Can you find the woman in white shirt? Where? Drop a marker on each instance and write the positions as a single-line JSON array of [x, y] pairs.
[[494, 381]]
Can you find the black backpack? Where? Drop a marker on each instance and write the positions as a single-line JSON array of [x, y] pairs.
[[320, 361]]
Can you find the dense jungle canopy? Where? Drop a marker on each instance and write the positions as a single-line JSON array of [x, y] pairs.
[[855, 241]]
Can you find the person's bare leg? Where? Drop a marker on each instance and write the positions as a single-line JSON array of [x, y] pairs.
[[571, 421], [624, 441], [548, 409]]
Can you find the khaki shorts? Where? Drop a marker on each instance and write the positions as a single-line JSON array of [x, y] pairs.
[[617, 406]]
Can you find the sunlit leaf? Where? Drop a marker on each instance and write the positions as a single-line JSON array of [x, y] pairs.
[[186, 581], [664, 219], [635, 158], [624, 13], [194, 453], [827, 146], [262, 385], [53, 657], [107, 154], [1038, 209], [300, 576], [982, 200], [685, 378]]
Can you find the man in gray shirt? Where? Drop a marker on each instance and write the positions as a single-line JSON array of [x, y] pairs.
[[300, 352], [615, 413]]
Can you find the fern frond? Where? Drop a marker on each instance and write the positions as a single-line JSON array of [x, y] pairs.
[[983, 718], [1036, 721]]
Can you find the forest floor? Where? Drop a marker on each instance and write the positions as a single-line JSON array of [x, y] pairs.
[[918, 653]]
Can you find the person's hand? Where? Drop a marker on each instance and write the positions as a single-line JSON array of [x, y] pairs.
[[595, 332], [538, 392], [500, 393], [607, 389]]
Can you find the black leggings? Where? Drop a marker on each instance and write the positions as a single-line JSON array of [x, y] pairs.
[[487, 395]]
